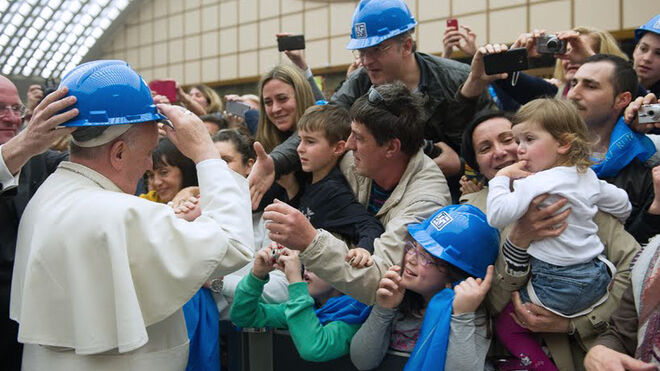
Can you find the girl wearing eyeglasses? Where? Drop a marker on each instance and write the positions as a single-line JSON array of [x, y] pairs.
[[417, 311]]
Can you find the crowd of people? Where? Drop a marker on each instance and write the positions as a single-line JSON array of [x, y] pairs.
[[427, 215]]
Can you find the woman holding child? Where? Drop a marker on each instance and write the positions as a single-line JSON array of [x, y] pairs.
[[489, 146]]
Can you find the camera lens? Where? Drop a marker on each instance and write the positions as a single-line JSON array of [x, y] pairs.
[[553, 43]]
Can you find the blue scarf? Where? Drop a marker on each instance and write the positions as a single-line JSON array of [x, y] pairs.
[[343, 308], [431, 348], [625, 145], [203, 324]]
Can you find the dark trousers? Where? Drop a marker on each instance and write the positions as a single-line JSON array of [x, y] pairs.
[[11, 350]]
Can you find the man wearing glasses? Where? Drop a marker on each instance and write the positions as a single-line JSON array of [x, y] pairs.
[[381, 38], [23, 167]]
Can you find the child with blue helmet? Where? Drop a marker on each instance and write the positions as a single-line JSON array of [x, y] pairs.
[[646, 56], [417, 311]]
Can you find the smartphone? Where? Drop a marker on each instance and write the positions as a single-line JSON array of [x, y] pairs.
[[508, 61], [237, 108], [293, 42], [452, 22], [164, 87]]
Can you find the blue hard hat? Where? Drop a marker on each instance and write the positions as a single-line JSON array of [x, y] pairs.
[[109, 92], [461, 236], [377, 20], [653, 25]]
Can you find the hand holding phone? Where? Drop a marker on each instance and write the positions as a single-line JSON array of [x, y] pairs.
[[237, 108], [504, 62], [166, 88]]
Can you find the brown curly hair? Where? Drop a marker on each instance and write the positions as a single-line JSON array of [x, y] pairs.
[[561, 119]]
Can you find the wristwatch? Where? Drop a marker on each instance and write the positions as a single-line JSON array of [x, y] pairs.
[[216, 285]]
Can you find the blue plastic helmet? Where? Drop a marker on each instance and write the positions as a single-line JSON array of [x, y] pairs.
[[653, 25], [109, 92], [377, 20], [461, 236]]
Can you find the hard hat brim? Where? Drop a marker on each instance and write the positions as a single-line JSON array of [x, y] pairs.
[[76, 122]]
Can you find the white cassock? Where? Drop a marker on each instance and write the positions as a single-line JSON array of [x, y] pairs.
[[100, 276]]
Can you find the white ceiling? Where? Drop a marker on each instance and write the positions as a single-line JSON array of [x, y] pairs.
[[47, 38]]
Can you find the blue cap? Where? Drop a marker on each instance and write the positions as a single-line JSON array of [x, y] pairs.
[[461, 236], [377, 20], [109, 92], [653, 26]]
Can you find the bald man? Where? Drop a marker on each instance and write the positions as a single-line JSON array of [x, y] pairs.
[[24, 164]]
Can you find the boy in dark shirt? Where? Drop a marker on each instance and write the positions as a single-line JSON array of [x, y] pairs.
[[328, 201]]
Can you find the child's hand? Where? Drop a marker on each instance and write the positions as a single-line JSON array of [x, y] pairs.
[[186, 204], [515, 171], [469, 294], [190, 210], [468, 186], [359, 258], [289, 263], [184, 195], [390, 292], [263, 263]]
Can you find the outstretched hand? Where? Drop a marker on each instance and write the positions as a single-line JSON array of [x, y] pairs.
[[288, 226], [261, 176]]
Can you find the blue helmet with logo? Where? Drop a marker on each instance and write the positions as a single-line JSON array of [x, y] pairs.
[[461, 236], [109, 92], [652, 25], [377, 20]]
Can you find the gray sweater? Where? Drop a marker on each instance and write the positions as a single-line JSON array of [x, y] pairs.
[[468, 341]]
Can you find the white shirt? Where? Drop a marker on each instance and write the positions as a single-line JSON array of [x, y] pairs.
[[100, 271], [585, 194], [7, 179]]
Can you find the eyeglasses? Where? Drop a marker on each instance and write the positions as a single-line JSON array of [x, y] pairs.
[[16, 109], [410, 248], [373, 52]]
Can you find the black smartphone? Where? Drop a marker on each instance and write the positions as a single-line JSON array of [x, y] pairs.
[[237, 108], [293, 42], [508, 61]]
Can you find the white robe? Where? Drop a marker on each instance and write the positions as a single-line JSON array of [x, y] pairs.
[[100, 276]]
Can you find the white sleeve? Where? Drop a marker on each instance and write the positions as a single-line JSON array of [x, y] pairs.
[[7, 180], [504, 206], [613, 200]]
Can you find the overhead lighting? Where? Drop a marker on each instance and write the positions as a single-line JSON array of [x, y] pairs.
[[17, 20], [25, 9], [47, 37], [46, 12], [31, 33]]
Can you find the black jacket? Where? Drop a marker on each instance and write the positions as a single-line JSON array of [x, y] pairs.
[[12, 203], [330, 204], [636, 179]]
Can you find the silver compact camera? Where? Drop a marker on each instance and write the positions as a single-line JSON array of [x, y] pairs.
[[550, 44], [649, 113]]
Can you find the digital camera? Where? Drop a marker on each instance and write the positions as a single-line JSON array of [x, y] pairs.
[[550, 44], [649, 113]]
